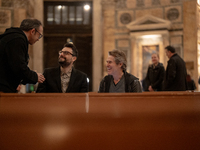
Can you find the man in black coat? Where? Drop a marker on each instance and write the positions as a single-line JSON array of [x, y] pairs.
[[175, 78], [65, 78], [14, 55]]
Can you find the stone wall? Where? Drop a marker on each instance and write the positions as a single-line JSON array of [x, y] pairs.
[[12, 12], [112, 30], [118, 15]]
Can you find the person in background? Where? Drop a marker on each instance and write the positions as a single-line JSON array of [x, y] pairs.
[[14, 55], [65, 78], [118, 80], [155, 75], [190, 83], [175, 77]]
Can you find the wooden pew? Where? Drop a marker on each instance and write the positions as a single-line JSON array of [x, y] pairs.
[[162, 120]]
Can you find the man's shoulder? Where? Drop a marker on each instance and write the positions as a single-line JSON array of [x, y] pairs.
[[160, 66], [106, 78], [176, 58], [13, 34], [131, 77], [78, 72]]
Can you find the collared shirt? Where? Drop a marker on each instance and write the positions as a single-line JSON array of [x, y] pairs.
[[65, 78]]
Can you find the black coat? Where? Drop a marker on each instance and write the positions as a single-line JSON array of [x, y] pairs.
[[132, 84], [14, 61], [175, 77], [155, 77], [52, 83]]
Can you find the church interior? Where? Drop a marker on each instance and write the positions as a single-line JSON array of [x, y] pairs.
[[148, 120], [137, 27]]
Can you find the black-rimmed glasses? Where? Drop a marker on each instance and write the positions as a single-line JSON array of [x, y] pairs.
[[39, 33], [65, 53]]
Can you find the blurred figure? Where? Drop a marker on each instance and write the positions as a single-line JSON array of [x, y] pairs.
[[190, 83], [144, 85], [155, 75], [118, 80], [65, 78], [175, 77], [14, 55]]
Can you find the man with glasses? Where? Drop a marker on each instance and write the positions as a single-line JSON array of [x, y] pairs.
[[14, 55], [65, 78]]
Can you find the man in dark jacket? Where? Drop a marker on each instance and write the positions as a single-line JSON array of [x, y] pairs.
[[14, 55], [118, 80], [65, 78], [175, 77]]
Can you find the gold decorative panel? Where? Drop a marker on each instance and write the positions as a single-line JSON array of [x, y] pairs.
[[5, 18], [173, 13]]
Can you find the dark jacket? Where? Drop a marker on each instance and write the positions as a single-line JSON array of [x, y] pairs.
[[191, 85], [52, 84], [155, 77], [175, 77], [132, 84], [14, 60]]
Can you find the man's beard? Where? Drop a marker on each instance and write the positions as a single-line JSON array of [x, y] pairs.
[[64, 63]]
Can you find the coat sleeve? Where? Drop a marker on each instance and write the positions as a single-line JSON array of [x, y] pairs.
[[17, 54], [136, 86], [102, 87], [171, 67]]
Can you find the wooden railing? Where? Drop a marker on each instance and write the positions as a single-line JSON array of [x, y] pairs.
[[159, 120]]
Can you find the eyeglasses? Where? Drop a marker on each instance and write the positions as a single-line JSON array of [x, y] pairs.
[[65, 53], [39, 33]]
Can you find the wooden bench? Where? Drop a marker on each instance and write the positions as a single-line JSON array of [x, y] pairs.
[[159, 120]]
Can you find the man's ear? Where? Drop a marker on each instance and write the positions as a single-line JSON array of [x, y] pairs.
[[32, 31], [74, 58], [120, 64]]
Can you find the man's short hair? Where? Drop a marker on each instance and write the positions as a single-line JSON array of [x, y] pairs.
[[73, 47], [29, 24], [170, 48], [120, 57]]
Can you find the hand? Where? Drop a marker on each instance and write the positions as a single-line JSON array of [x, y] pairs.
[[150, 89], [40, 78], [19, 87]]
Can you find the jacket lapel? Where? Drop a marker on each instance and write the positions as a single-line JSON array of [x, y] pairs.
[[57, 78], [72, 79]]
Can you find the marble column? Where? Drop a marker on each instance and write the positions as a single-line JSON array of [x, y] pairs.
[[38, 46], [190, 37], [97, 44], [108, 29]]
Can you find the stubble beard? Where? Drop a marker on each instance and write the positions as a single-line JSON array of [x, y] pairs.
[[64, 63]]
